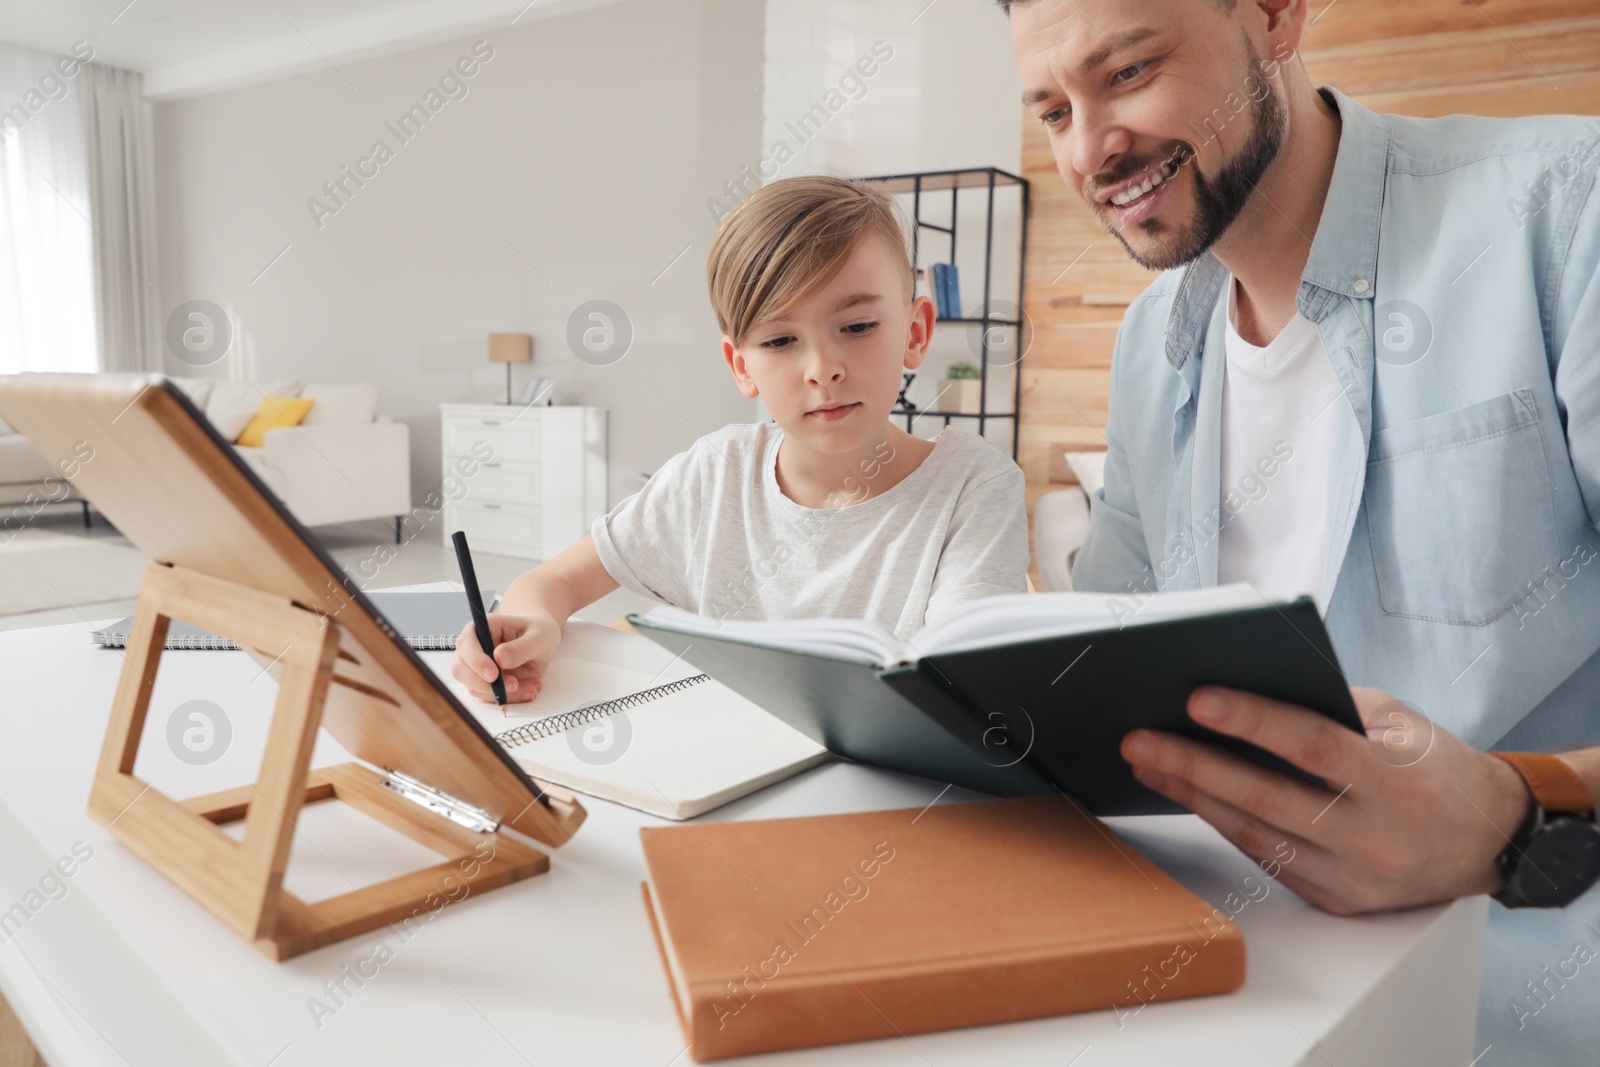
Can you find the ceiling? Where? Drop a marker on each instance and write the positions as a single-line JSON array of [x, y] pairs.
[[187, 47]]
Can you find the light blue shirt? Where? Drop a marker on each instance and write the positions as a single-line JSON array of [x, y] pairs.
[[1455, 282]]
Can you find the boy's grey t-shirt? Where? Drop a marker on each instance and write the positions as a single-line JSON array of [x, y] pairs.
[[712, 533]]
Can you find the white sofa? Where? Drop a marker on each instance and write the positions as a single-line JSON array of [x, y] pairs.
[[29, 483], [1061, 517], [344, 462]]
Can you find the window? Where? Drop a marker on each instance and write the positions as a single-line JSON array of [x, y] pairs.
[[47, 301]]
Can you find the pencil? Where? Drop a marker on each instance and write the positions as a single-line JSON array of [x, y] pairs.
[[480, 618]]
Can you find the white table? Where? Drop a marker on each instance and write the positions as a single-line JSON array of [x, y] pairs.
[[562, 969]]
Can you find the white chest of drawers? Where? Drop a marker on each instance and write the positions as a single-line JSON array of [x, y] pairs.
[[522, 481]]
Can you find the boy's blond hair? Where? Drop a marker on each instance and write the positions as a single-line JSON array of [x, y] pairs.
[[788, 240]]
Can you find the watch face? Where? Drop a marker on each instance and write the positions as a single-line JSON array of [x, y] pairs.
[[1560, 862]]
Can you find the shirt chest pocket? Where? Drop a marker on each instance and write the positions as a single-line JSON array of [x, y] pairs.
[[1460, 511]]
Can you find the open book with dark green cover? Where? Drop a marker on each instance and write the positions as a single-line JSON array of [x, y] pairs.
[[1026, 694]]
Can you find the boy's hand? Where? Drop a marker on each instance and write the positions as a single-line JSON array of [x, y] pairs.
[[523, 647], [528, 634]]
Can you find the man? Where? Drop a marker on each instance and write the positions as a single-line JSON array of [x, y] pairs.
[[1369, 374]]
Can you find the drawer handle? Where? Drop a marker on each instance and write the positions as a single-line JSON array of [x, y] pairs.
[[491, 464], [491, 422], [492, 507]]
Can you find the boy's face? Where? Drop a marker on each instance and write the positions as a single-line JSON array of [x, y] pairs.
[[829, 368]]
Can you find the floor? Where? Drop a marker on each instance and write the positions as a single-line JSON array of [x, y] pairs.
[[354, 545]]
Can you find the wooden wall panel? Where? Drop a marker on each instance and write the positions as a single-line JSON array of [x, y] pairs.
[[1367, 23], [1420, 57]]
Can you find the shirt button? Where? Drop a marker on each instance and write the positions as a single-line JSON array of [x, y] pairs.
[[1361, 285]]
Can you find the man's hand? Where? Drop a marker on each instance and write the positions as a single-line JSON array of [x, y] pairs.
[[523, 647], [1412, 815]]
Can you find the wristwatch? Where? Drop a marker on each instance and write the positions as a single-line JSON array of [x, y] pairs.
[[1555, 855]]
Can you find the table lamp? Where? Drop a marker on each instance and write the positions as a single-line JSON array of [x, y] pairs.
[[509, 348]]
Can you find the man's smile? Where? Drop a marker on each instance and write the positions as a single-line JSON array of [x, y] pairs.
[[1130, 191], [1135, 199]]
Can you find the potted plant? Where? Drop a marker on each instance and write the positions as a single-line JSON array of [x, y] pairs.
[[962, 390]]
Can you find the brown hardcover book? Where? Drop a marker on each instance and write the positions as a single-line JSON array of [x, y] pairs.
[[790, 933]]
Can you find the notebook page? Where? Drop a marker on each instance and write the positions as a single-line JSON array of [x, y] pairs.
[[676, 756], [571, 683]]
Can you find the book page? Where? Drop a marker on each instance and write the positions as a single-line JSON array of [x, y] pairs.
[[1006, 620], [860, 640]]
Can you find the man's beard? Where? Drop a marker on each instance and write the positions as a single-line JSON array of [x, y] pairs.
[[1219, 201]]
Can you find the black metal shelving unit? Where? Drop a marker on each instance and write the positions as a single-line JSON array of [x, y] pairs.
[[983, 180]]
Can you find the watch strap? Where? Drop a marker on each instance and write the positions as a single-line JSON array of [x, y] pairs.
[[1555, 786]]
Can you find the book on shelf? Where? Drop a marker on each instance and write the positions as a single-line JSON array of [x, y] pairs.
[[947, 290]]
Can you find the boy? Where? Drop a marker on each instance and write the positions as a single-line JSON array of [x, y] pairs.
[[834, 511]]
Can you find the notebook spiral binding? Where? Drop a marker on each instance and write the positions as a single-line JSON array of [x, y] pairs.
[[432, 642], [206, 641], [216, 643], [540, 729]]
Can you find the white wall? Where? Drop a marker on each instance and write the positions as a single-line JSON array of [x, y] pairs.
[[946, 98], [593, 144], [587, 147]]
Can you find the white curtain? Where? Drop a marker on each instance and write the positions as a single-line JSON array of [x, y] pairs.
[[47, 286], [120, 156]]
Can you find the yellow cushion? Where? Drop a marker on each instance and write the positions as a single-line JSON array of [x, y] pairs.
[[274, 413]]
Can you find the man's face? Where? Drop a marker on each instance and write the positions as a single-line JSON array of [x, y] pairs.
[[1161, 113]]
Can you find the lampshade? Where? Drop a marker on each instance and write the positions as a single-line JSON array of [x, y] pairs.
[[510, 348]]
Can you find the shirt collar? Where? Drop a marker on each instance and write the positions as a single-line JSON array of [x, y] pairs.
[[1344, 253]]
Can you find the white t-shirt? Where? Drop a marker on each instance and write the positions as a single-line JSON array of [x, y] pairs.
[[1276, 452], [712, 533]]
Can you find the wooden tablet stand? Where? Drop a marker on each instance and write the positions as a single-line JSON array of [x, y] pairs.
[[241, 882]]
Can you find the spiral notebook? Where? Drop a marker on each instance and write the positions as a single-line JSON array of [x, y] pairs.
[[621, 720], [426, 620]]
